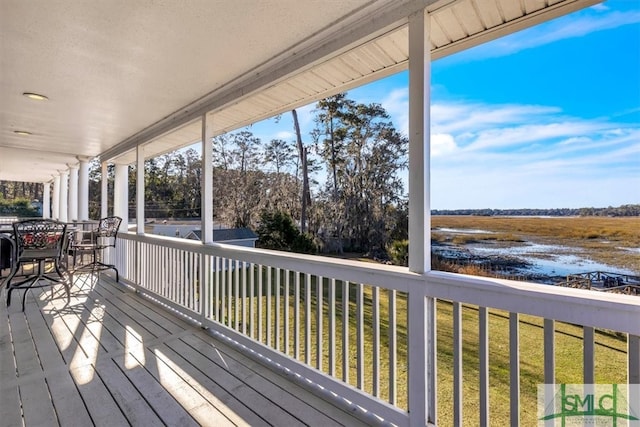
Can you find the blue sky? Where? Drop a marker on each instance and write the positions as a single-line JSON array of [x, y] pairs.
[[545, 118]]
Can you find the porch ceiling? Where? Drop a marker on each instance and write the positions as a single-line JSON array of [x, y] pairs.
[[120, 73]]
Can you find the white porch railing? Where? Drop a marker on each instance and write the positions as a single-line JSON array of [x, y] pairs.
[[8, 219], [346, 328]]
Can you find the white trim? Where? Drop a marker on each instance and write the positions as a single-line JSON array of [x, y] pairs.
[[56, 197], [46, 200], [140, 186], [121, 195], [206, 184], [63, 202], [73, 192], [83, 190], [104, 190]]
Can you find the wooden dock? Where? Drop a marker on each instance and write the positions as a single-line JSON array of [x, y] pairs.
[[603, 281], [112, 358]]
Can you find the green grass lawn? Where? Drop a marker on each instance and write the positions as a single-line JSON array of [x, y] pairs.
[[611, 364], [611, 357]]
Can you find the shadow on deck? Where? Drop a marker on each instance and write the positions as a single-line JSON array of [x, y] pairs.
[[113, 358]]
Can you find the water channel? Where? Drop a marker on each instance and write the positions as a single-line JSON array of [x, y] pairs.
[[528, 259]]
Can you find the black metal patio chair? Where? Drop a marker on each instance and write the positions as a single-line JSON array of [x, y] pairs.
[[38, 256], [94, 242]]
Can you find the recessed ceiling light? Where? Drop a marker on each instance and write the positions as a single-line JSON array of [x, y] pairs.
[[22, 132], [35, 96]]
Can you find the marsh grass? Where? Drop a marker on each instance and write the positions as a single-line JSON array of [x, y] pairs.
[[463, 239], [602, 239], [620, 229]]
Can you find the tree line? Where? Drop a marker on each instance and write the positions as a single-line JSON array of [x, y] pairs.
[[623, 210], [12, 190], [341, 188]]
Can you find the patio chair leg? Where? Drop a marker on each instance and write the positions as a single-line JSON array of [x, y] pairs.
[[28, 288], [11, 275], [24, 297]]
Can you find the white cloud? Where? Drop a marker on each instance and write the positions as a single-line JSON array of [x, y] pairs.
[[286, 135], [577, 25], [442, 144], [450, 118], [601, 7], [506, 156], [530, 133], [397, 105], [576, 140]]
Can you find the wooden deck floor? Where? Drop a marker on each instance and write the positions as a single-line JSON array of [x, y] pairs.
[[112, 358]]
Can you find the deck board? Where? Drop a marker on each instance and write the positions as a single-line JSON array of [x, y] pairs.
[[313, 411], [10, 401], [229, 388], [203, 377], [50, 357], [134, 406], [69, 405], [102, 407], [245, 373], [37, 407], [112, 358]]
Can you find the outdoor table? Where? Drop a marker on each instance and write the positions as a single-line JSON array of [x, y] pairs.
[[6, 233]]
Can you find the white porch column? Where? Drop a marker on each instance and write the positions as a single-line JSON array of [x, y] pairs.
[[46, 200], [419, 145], [206, 185], [64, 196], [140, 189], [83, 190], [73, 192], [104, 191], [56, 197], [206, 210], [121, 195], [422, 327]]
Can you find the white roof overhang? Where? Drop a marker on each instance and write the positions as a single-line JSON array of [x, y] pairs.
[[125, 73]]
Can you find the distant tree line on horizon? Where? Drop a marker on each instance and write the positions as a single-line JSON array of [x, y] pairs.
[[623, 210]]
